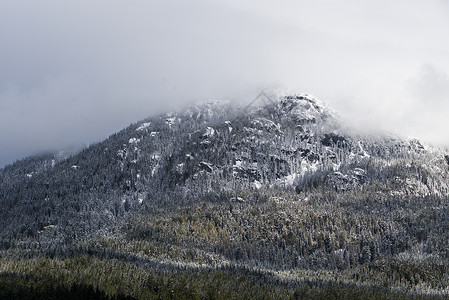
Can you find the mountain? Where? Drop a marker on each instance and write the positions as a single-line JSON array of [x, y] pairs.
[[280, 194]]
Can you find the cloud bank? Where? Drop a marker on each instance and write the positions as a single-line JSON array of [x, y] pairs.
[[73, 72]]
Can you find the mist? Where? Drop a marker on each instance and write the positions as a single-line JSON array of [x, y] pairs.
[[73, 72]]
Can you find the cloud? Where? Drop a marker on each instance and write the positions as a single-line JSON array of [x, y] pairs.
[[429, 104], [75, 71], [430, 88]]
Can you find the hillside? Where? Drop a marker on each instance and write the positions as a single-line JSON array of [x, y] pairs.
[[280, 196]]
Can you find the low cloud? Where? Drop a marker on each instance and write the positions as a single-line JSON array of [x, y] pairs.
[[429, 105], [74, 72]]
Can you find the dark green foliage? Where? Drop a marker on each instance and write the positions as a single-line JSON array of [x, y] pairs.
[[27, 287], [320, 291], [55, 281]]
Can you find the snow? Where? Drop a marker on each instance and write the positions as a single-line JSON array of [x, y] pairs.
[[154, 133], [206, 165], [416, 187], [359, 172], [209, 132], [266, 124], [229, 126], [288, 180], [238, 164], [121, 153], [154, 170], [134, 141], [362, 151], [170, 121], [180, 168], [237, 199], [143, 126], [308, 167], [256, 184]]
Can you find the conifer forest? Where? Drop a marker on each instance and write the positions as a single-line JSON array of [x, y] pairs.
[[275, 200]]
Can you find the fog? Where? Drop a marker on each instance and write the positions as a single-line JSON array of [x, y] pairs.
[[73, 72]]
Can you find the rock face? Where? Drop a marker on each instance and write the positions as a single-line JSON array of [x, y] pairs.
[[295, 142], [342, 182]]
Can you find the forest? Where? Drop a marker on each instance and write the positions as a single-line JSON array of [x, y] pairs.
[[279, 201]]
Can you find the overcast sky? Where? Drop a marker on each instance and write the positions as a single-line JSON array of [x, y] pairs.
[[72, 72]]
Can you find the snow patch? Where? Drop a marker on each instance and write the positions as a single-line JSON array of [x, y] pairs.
[[134, 141], [229, 126], [143, 126], [237, 199], [170, 121], [209, 132], [256, 184], [288, 180]]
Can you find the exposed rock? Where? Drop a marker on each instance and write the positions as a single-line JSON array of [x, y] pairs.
[[342, 182], [331, 139]]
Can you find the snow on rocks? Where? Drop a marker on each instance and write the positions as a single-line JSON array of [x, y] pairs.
[[209, 132], [170, 121], [229, 126], [237, 199], [265, 124], [342, 182], [134, 141], [256, 185]]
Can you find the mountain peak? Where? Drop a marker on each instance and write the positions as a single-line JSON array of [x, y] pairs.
[[304, 105]]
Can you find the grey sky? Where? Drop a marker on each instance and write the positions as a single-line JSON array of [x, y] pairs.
[[73, 72]]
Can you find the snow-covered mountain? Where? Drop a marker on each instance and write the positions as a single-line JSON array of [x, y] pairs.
[[280, 184], [216, 147]]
